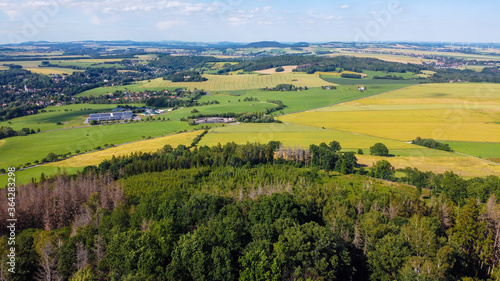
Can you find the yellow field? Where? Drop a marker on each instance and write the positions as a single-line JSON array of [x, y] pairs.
[[460, 112], [406, 155], [339, 74], [94, 158], [287, 69], [391, 58], [435, 53], [294, 135], [459, 165], [220, 65], [95, 60], [243, 82], [53, 70], [474, 92]]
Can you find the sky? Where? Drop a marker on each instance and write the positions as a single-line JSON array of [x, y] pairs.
[[250, 20]]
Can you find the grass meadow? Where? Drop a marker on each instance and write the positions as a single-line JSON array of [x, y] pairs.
[[69, 115], [23, 149], [303, 100], [234, 107], [336, 79], [485, 150], [77, 163]]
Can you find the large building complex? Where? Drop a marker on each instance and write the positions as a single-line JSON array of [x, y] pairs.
[[113, 116]]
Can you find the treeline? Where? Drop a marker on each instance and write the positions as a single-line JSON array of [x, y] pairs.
[[311, 64], [185, 76], [8, 113], [245, 117], [191, 99], [391, 77], [327, 157], [285, 87], [7, 132], [486, 75], [430, 143], [351, 75], [173, 64]]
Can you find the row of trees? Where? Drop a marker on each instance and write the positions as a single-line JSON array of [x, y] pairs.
[[430, 143], [6, 132]]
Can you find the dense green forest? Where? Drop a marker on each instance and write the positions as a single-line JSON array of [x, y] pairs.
[[252, 212]]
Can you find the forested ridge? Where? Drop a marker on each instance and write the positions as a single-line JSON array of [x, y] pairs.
[[253, 212]]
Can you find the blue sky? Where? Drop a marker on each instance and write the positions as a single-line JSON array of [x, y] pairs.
[[250, 20]]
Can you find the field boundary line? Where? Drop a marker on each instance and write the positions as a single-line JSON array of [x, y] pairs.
[[347, 101], [498, 164], [90, 151]]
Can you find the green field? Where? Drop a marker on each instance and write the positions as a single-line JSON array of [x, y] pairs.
[[405, 75], [335, 79], [70, 115], [478, 149], [77, 163], [134, 88], [26, 176], [303, 100], [234, 107], [23, 149]]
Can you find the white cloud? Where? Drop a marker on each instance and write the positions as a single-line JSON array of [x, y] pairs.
[[344, 7], [95, 20], [163, 25]]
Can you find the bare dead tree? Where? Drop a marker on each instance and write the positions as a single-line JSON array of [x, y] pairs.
[[99, 248], [48, 263], [82, 257], [57, 201]]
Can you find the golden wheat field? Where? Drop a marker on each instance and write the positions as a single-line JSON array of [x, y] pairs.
[[461, 165], [294, 135], [94, 158], [53, 70], [459, 112], [242, 82], [287, 69]]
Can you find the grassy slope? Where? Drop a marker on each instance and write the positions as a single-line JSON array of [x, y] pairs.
[[74, 117], [304, 100], [77, 163], [477, 149], [365, 81], [235, 107], [20, 150]]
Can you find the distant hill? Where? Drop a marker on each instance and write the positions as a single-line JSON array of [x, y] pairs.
[[266, 44], [300, 44], [274, 44]]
